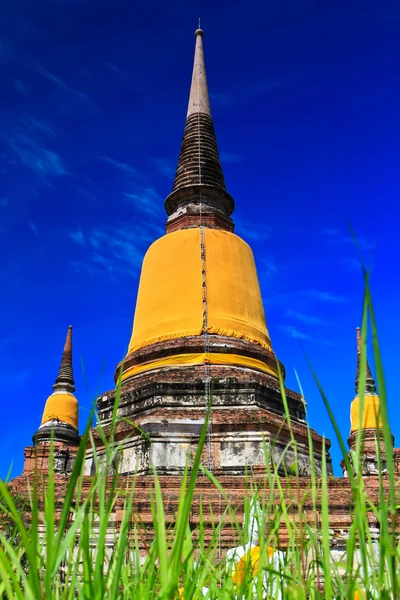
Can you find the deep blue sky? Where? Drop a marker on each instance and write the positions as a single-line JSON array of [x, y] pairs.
[[305, 100]]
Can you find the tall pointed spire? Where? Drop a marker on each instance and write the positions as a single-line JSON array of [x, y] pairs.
[[199, 101], [199, 179], [370, 387], [65, 377]]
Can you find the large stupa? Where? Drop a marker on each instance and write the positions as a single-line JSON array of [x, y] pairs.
[[199, 336]]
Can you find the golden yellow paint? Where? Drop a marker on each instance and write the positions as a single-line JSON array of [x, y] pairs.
[[170, 297], [254, 557], [63, 407], [233, 292], [181, 360], [371, 415]]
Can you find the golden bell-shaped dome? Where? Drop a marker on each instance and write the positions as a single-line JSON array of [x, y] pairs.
[[192, 282], [61, 406], [170, 298], [371, 413]]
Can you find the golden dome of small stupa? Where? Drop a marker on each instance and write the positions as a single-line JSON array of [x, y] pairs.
[[61, 407]]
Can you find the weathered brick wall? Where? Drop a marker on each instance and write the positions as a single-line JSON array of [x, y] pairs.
[[37, 458], [297, 492]]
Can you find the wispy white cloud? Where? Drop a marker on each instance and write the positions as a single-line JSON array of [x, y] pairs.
[[43, 162], [33, 228], [118, 244], [266, 87], [331, 232], [20, 87], [84, 266], [256, 232], [62, 84], [17, 379], [267, 267], [139, 193], [6, 342], [113, 249], [146, 200], [105, 262], [112, 67], [67, 1], [121, 166], [38, 125], [353, 264], [230, 157], [336, 237], [297, 334], [222, 98], [165, 167], [303, 317], [31, 153], [270, 86], [323, 296], [305, 297], [12, 376], [77, 236], [3, 49]]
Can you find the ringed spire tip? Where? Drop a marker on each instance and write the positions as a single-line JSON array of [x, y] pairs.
[[199, 30]]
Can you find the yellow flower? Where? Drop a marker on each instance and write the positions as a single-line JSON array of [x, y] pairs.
[[254, 556]]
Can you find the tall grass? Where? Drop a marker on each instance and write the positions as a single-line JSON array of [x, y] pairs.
[[66, 548]]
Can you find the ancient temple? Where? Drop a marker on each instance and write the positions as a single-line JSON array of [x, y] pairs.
[[200, 345]]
